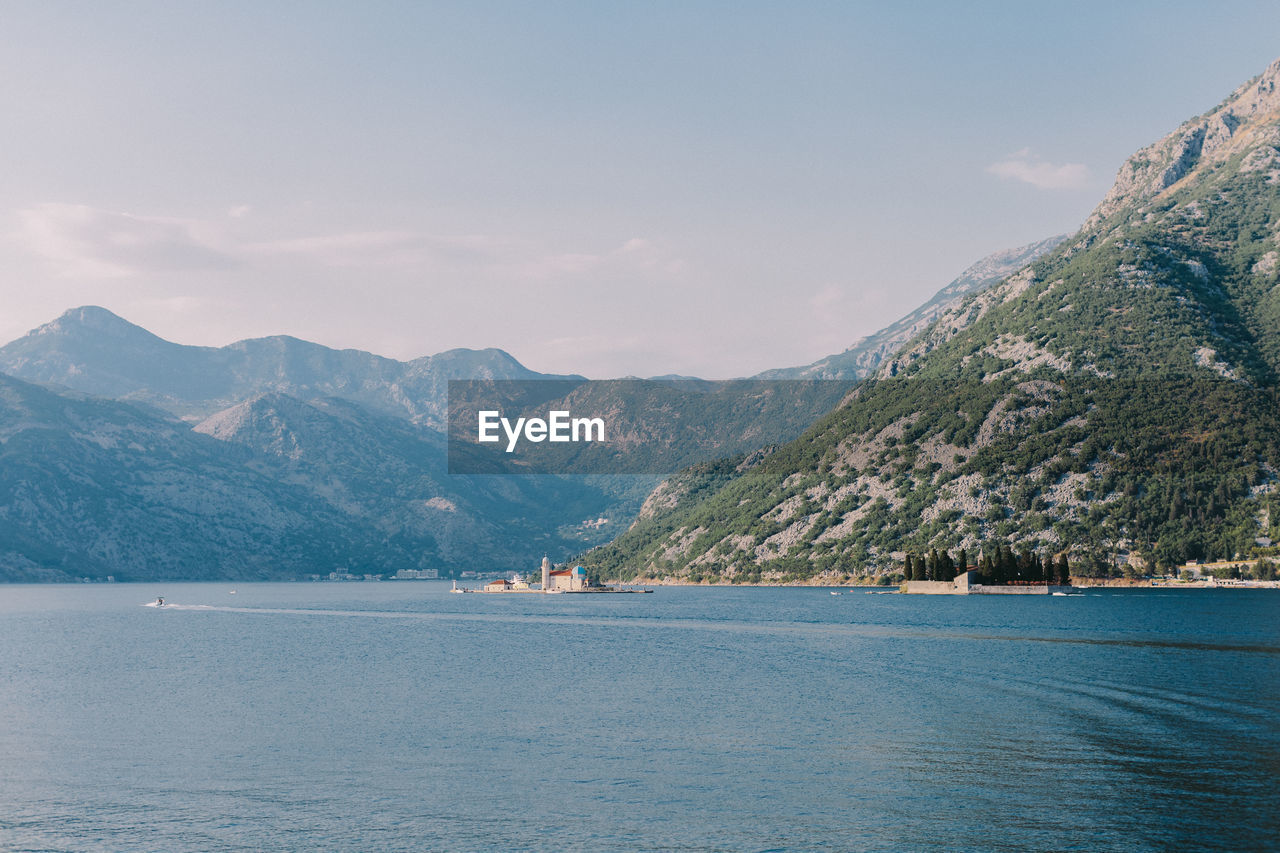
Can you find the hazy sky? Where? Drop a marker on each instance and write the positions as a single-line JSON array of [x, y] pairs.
[[597, 187]]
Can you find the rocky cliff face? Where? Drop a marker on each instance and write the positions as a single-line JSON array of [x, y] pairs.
[[1243, 123]]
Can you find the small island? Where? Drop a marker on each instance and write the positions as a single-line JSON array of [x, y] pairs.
[[574, 580], [999, 572]]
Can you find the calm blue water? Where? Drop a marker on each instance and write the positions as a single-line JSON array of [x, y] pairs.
[[396, 716]]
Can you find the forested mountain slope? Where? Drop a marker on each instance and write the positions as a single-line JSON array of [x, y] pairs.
[[1116, 400]]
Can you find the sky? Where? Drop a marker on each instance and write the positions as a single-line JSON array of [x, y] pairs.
[[610, 189]]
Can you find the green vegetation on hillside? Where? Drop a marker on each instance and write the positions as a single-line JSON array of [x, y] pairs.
[[1117, 400]]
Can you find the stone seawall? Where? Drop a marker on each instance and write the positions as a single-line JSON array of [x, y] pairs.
[[1031, 589], [933, 588]]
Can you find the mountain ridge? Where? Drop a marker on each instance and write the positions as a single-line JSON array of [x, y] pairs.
[[342, 439], [865, 355], [91, 350]]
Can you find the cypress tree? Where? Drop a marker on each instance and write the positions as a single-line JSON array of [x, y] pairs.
[[1006, 565], [962, 563]]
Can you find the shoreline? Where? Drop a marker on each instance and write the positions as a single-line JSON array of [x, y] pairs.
[[1076, 583]]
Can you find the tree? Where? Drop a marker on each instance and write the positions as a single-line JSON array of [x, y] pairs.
[[918, 569], [1006, 564], [947, 569], [1026, 566]]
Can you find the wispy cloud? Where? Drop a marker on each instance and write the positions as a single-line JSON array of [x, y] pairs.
[[347, 249], [513, 259], [78, 240], [81, 241], [634, 254], [1030, 168]]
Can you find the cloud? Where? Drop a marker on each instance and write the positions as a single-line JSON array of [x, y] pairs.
[[82, 241], [636, 255], [413, 249], [1028, 167], [349, 249]]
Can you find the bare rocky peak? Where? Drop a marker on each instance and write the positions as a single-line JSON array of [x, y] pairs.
[[92, 320], [1249, 118], [228, 423]]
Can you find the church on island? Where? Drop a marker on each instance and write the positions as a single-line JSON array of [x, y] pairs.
[[564, 580], [553, 580]]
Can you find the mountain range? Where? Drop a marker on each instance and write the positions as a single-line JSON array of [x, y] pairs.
[[279, 458], [90, 349], [1109, 393]]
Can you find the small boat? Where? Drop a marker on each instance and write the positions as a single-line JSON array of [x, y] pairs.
[[833, 592]]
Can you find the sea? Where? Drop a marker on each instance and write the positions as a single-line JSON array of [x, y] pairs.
[[397, 716]]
